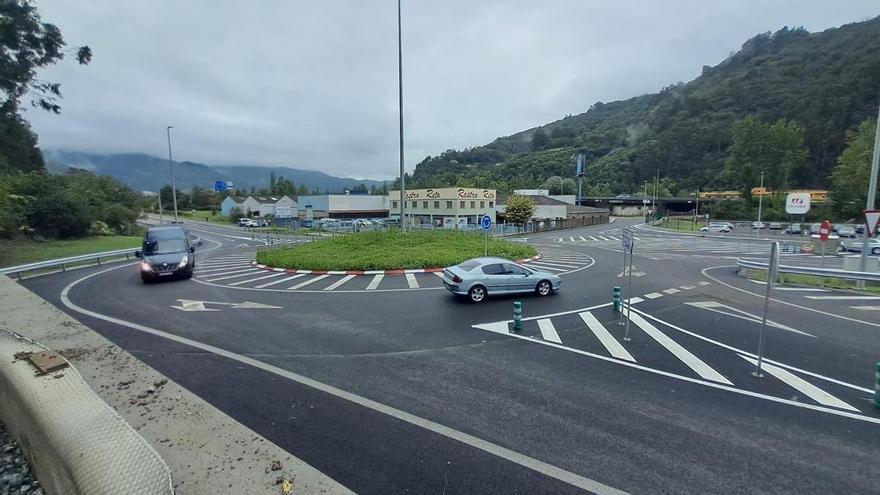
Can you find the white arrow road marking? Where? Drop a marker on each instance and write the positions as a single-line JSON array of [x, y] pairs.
[[685, 356], [192, 306], [717, 307], [803, 386], [611, 344], [548, 331], [635, 272], [189, 305]]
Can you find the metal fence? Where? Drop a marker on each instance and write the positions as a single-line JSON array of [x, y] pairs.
[[64, 263], [809, 270]]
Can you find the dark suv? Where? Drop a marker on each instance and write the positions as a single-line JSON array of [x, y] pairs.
[[166, 253]]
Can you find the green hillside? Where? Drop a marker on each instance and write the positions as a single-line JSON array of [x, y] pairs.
[[826, 82]]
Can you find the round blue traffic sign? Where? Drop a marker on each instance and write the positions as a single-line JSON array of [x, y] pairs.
[[486, 222]]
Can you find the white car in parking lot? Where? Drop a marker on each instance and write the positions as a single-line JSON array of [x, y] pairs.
[[717, 227]]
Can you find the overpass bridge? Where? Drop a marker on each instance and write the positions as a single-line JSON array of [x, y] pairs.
[[639, 206]]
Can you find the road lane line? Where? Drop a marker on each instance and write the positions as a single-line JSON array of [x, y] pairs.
[[553, 262], [688, 287], [572, 239], [339, 282], [582, 238], [614, 238], [603, 238], [866, 308], [671, 291], [549, 268], [653, 295], [611, 344], [845, 298], [377, 279], [246, 281], [242, 273], [523, 460], [685, 356], [803, 386], [215, 268], [593, 238], [800, 289], [307, 282], [280, 281], [548, 331], [411, 281]]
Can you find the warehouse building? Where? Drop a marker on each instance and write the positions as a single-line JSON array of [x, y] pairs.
[[446, 207]]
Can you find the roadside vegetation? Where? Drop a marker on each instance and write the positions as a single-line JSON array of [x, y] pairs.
[[21, 251], [814, 281], [392, 250]]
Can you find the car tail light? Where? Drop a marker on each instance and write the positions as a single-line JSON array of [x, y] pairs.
[[457, 279]]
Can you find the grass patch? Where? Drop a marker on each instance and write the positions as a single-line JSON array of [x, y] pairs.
[[203, 215], [20, 251], [681, 224], [391, 250], [814, 281]]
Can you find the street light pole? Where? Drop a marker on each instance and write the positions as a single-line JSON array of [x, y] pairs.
[[760, 198], [654, 199], [171, 166], [400, 112], [872, 193], [159, 193]]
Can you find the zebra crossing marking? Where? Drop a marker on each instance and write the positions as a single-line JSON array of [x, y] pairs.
[[653, 295], [339, 282], [235, 274], [307, 282], [548, 331], [683, 355], [411, 281], [611, 344], [249, 280], [803, 386], [671, 291], [377, 279], [280, 281]]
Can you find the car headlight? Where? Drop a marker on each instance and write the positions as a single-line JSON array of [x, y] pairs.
[[183, 261], [145, 266]]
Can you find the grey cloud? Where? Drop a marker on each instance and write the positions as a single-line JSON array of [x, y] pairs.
[[313, 84]]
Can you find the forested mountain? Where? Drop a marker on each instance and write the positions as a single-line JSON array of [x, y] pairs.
[[148, 173], [826, 83]]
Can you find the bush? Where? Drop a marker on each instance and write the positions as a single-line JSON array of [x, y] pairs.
[[60, 215]]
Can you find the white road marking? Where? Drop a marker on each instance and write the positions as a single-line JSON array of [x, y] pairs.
[[559, 240], [377, 279], [800, 289], [241, 273], [206, 264], [685, 356], [603, 238], [671, 291], [582, 238], [339, 282], [704, 283], [572, 239], [465, 438], [845, 298], [653, 295], [614, 238], [439, 274], [593, 238], [611, 344], [548, 331], [553, 262], [688, 287], [411, 281], [717, 307], [307, 282], [634, 300], [866, 308], [240, 282], [201, 269], [548, 268], [298, 275], [803, 386]]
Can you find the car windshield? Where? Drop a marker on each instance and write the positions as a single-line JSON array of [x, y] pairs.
[[164, 246]]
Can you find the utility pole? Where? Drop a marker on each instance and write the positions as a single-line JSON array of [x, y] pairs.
[[400, 111], [171, 167], [159, 194], [872, 193], [760, 199], [654, 199], [697, 209]]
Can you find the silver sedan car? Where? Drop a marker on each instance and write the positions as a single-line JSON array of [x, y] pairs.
[[480, 277]]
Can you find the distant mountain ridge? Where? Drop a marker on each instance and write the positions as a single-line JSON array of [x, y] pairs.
[[143, 172]]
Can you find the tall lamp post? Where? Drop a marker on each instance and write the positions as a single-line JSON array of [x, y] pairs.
[[159, 193], [171, 167], [654, 199], [400, 112], [872, 193]]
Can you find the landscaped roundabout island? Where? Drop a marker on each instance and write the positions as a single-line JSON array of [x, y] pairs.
[[392, 250]]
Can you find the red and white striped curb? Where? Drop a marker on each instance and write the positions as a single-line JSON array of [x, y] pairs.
[[363, 272]]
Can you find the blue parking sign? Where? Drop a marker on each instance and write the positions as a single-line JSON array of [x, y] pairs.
[[486, 222], [219, 186]]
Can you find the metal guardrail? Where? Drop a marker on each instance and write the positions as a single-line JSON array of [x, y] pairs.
[[64, 262], [808, 270]]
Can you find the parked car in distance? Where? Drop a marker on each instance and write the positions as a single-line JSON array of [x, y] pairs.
[[480, 277], [775, 226], [855, 245], [794, 228], [814, 228], [166, 253], [717, 227], [860, 229], [759, 225], [846, 231]]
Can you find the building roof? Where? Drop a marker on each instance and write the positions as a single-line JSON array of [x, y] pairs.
[[237, 199], [547, 201]]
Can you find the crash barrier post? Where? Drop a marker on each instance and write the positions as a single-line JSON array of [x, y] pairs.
[[517, 316], [617, 299]]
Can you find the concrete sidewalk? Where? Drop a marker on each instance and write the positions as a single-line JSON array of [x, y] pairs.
[[206, 450]]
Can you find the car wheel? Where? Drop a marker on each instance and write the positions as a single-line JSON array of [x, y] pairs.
[[188, 274], [477, 293], [146, 280], [875, 251], [543, 288]]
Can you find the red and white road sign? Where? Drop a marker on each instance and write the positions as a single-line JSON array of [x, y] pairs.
[[824, 230], [872, 217]]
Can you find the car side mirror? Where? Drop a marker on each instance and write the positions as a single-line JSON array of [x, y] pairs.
[[192, 249], [138, 254]]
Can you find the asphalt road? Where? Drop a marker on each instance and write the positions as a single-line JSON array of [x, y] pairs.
[[399, 388]]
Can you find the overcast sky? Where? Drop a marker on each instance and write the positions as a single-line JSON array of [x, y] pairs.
[[313, 84]]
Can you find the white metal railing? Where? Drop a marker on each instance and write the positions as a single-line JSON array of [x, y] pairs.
[[63, 263], [809, 270]]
